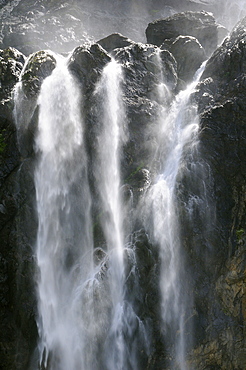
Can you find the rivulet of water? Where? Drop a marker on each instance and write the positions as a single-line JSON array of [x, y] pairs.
[[177, 129]]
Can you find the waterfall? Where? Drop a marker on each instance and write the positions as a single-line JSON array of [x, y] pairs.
[[64, 241], [87, 315], [78, 309], [178, 128], [111, 136]]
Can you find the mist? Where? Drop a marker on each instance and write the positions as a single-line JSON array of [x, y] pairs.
[[30, 25]]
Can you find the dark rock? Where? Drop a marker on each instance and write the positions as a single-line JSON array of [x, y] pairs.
[[86, 63], [114, 41], [17, 229], [227, 64], [188, 53], [200, 25], [215, 252], [144, 67], [99, 255], [11, 64], [39, 66]]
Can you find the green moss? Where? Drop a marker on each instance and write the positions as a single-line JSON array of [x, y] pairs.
[[239, 234]]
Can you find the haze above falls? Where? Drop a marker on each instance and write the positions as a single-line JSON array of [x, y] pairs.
[[60, 26]]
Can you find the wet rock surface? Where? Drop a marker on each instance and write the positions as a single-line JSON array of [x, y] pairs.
[[220, 273], [39, 66]]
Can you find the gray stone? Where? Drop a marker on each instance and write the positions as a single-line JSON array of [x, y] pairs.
[[200, 25], [188, 53], [114, 41]]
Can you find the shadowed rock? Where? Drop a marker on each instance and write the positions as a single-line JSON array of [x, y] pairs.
[[188, 53], [114, 41]]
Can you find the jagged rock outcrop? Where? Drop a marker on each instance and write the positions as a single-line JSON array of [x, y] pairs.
[[39, 66], [86, 63], [144, 66], [114, 41], [32, 25], [201, 25]]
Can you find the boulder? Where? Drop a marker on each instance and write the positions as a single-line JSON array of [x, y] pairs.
[[86, 63], [200, 25], [39, 66], [188, 53], [114, 41], [11, 64]]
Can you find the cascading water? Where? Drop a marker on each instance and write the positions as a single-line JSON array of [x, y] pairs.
[[110, 139], [79, 314], [64, 242], [178, 128], [87, 315], [81, 317]]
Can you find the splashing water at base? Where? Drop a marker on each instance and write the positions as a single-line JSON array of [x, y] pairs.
[[64, 255], [177, 130]]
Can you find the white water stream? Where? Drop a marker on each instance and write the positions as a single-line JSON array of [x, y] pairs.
[[64, 241], [78, 312], [85, 320], [110, 139], [177, 129]]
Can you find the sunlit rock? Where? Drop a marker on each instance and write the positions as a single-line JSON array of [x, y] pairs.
[[87, 62], [39, 66], [11, 64], [201, 25]]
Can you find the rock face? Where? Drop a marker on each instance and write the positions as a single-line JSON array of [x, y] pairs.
[[220, 269], [212, 217], [17, 309], [200, 25], [18, 223], [39, 66]]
